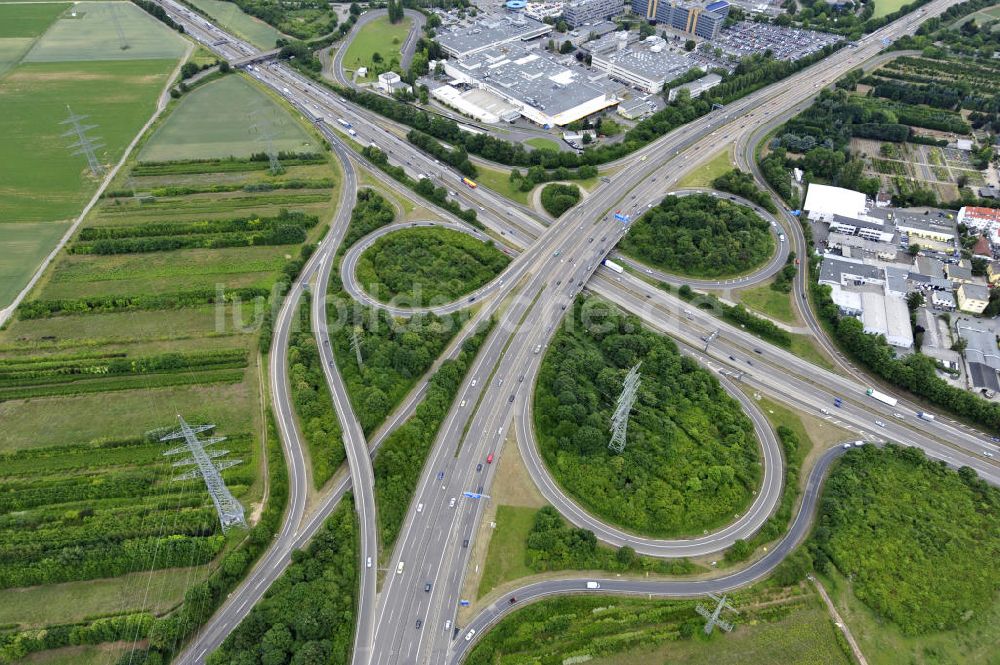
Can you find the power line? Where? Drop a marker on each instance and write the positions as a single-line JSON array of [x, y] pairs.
[[713, 616], [356, 345], [619, 420], [122, 42], [85, 145], [229, 509]]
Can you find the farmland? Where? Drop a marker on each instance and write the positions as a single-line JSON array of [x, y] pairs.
[[428, 265], [189, 136], [51, 59], [786, 625], [123, 333]]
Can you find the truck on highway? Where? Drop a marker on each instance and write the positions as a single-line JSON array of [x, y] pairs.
[[593, 585], [614, 266], [925, 416], [344, 123], [882, 397], [469, 183]]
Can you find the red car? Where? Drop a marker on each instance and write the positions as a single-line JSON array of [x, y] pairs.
[[489, 458]]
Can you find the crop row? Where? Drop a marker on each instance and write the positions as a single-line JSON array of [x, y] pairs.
[[29, 373], [39, 309], [217, 188], [201, 227], [122, 383], [111, 560], [231, 165]]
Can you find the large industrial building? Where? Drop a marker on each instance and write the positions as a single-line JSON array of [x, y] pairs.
[[704, 21], [645, 65], [464, 40], [540, 88], [578, 12]]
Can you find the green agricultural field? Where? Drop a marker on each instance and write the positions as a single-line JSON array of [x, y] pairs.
[[40, 179], [28, 20], [775, 625], [24, 246], [216, 120], [380, 37], [231, 18], [90, 34], [75, 601], [11, 50], [428, 265]]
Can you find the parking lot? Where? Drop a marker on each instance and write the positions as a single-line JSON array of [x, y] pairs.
[[747, 38]]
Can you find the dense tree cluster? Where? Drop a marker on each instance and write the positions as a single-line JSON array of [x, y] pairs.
[[307, 616], [691, 458], [536, 175], [742, 184], [558, 198], [554, 545], [302, 19], [917, 539], [401, 458], [428, 265], [313, 404], [14, 646], [394, 352], [159, 13], [700, 235]]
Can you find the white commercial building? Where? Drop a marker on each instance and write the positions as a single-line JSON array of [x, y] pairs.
[[645, 65], [696, 87], [540, 88], [489, 32], [578, 12], [824, 201], [887, 315]]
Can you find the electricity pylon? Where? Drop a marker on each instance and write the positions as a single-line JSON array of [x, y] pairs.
[[713, 615], [229, 509], [85, 145], [619, 420]]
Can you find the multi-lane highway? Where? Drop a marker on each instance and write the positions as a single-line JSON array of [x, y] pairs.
[[415, 610]]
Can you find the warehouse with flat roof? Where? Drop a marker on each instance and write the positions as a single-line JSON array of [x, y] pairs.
[[542, 89], [645, 65], [463, 40]]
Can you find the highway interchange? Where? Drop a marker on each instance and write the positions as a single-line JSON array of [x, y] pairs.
[[553, 265]]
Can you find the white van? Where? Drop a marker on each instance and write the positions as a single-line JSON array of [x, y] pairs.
[[420, 507], [399, 568], [593, 585]]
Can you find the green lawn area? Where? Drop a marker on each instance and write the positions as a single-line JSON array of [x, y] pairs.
[[767, 301], [804, 346], [101, 654], [54, 421], [883, 644], [543, 143], [28, 20], [41, 179], [24, 245], [883, 7], [75, 601], [203, 126], [508, 546], [706, 172], [230, 17], [380, 37], [499, 182], [11, 50], [91, 35]]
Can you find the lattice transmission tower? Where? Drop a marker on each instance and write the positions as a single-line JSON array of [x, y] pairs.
[[262, 126], [85, 145], [619, 419], [356, 343], [713, 616], [122, 42], [229, 509]]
